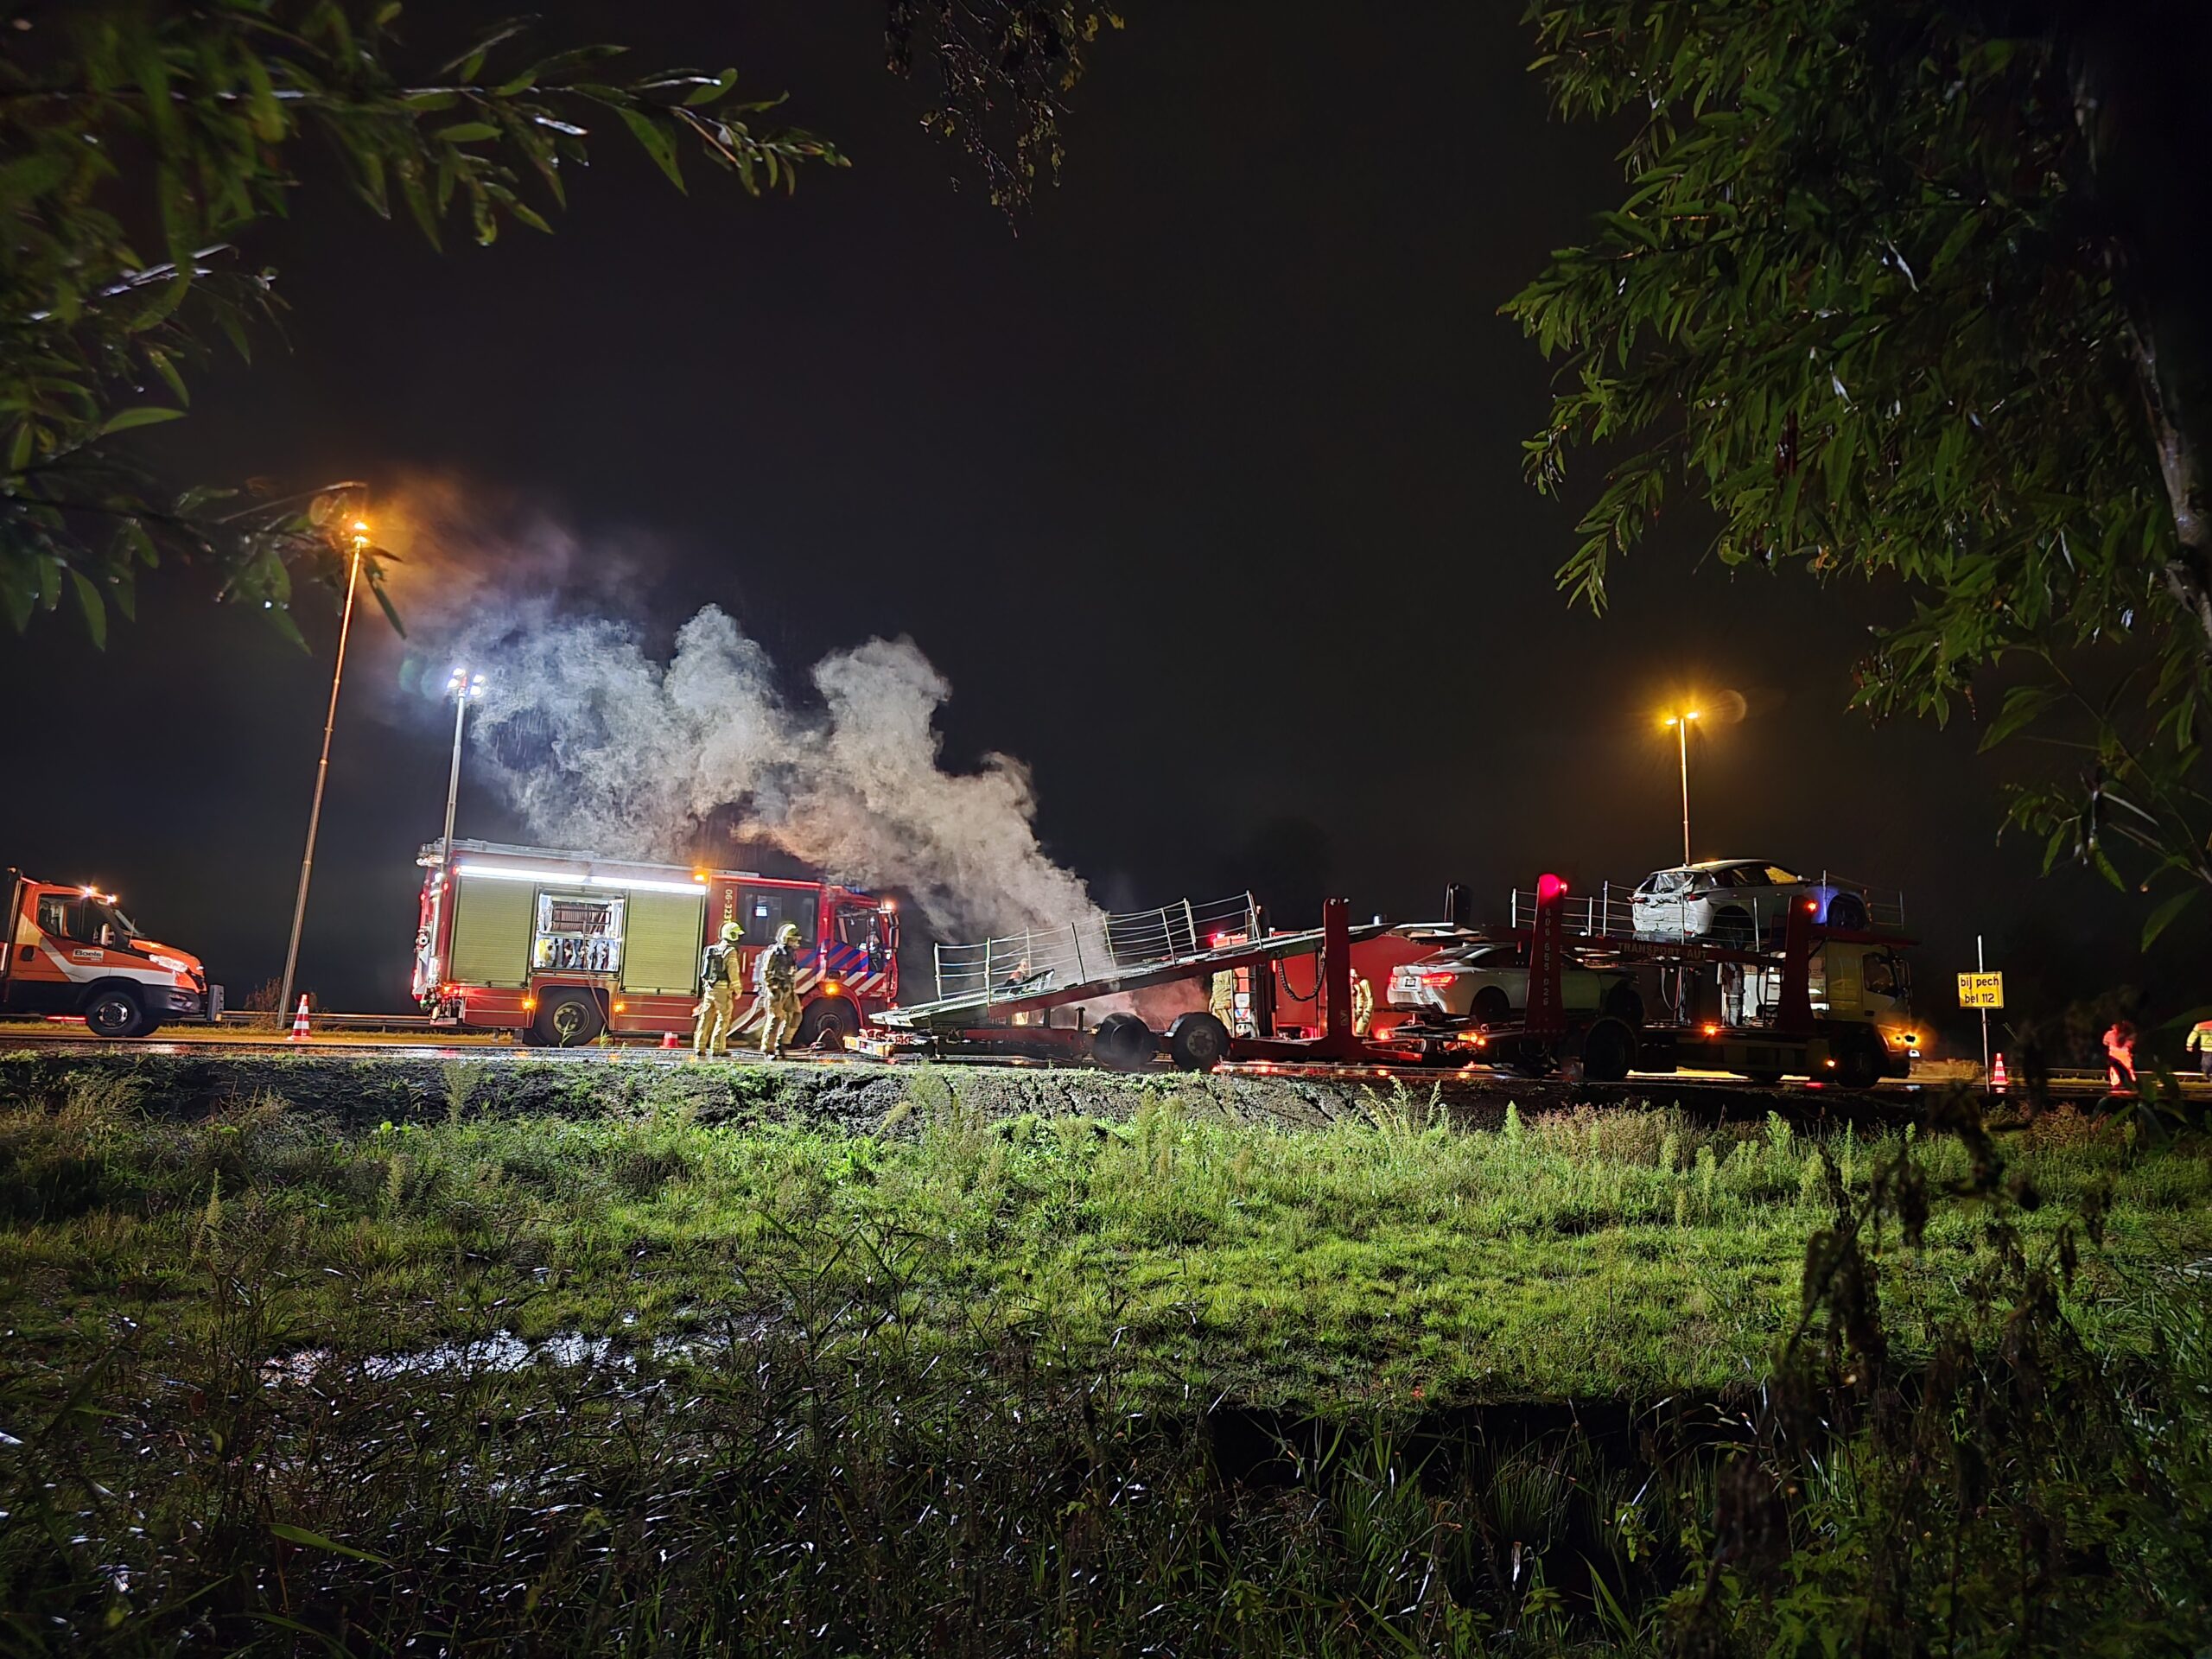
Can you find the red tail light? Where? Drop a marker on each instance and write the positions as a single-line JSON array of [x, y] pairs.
[[1438, 978]]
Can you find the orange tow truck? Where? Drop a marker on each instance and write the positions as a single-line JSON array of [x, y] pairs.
[[72, 950]]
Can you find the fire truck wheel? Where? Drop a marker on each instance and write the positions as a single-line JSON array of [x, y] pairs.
[[826, 1014], [1124, 1043], [569, 1020], [1198, 1042], [113, 1012], [1608, 1051]]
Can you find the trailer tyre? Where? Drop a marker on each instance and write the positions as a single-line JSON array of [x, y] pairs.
[[569, 1020], [1847, 911], [826, 1016], [113, 1013], [1608, 1051], [1124, 1043], [1198, 1042]]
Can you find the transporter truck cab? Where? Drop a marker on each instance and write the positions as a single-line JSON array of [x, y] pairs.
[[70, 949]]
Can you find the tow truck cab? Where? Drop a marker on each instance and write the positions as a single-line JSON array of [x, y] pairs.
[[73, 950]]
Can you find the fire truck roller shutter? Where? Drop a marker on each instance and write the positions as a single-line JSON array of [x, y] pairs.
[[660, 950], [491, 922]]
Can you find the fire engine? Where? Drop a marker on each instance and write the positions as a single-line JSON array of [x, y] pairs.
[[559, 947], [70, 949]]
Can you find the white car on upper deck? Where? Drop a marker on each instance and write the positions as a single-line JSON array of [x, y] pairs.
[[1739, 902]]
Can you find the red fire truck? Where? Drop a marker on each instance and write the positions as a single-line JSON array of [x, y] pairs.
[[70, 949], [559, 947]]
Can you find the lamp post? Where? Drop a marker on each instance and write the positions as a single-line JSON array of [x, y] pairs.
[[460, 686], [360, 539], [1681, 723]]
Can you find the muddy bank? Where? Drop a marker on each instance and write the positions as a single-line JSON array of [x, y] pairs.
[[359, 1091]]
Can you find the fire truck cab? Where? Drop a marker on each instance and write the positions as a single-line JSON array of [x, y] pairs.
[[559, 947], [72, 950]]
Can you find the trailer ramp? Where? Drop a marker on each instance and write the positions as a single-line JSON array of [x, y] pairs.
[[989, 981]]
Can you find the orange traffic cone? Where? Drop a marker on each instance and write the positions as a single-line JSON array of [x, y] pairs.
[[1997, 1077], [300, 1024], [668, 1040]]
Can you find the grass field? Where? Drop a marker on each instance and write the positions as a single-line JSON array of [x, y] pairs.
[[959, 1381]]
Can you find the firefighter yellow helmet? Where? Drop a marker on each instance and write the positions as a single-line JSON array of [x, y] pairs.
[[731, 932], [787, 934]]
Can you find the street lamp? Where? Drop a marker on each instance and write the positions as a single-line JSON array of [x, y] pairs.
[[359, 535], [1679, 721], [460, 686]]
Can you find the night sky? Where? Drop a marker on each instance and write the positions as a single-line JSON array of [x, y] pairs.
[[1203, 490]]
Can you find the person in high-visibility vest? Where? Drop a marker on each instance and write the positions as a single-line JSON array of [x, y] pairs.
[[717, 1010], [1362, 1006], [2119, 1057], [2200, 1043]]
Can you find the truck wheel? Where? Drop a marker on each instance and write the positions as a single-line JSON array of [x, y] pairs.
[[1124, 1043], [825, 1014], [569, 1020], [114, 1014], [1860, 1060], [1491, 1006], [1198, 1042], [1608, 1051]]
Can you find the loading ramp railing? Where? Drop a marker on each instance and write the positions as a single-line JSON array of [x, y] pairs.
[[1098, 949], [1610, 911]]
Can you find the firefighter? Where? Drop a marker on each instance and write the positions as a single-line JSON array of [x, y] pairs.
[[717, 1009], [1363, 1006], [1221, 999], [2200, 1043], [777, 981]]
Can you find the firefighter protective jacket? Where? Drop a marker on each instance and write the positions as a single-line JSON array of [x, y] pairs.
[[716, 966], [779, 968]]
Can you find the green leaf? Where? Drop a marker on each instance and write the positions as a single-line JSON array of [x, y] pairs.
[[292, 1534], [2022, 706], [166, 367], [95, 609], [713, 90], [2163, 917], [125, 420], [656, 142], [466, 132]]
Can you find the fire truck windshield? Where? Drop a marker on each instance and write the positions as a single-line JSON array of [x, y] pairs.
[[860, 927]]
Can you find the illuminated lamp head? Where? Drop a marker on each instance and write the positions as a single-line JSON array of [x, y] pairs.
[[1548, 887]]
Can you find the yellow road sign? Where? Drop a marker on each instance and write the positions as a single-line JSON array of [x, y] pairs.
[[1982, 990]]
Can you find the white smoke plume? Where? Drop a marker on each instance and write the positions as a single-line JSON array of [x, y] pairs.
[[600, 746], [603, 744]]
